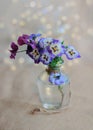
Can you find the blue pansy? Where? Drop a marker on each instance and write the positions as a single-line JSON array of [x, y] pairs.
[[32, 40], [57, 78], [56, 48], [45, 58], [34, 36], [71, 53], [44, 42]]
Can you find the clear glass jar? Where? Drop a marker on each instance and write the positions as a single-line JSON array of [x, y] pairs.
[[53, 96]]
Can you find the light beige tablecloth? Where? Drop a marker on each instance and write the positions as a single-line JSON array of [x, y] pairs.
[[18, 94]]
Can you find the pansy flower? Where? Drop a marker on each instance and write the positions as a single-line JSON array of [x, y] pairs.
[[23, 39], [29, 49], [71, 53], [31, 43], [56, 48], [34, 36], [34, 54], [44, 42], [33, 39], [57, 78], [45, 58], [14, 50]]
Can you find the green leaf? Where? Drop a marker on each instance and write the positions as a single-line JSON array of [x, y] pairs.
[[57, 61], [62, 42]]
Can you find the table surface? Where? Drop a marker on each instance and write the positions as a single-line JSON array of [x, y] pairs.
[[18, 95], [18, 90]]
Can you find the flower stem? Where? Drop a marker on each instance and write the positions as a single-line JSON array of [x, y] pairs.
[[62, 94], [21, 51]]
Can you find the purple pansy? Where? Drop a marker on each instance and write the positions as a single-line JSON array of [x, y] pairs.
[[57, 78], [23, 39], [56, 48], [44, 42], [14, 50], [45, 58], [43, 49], [34, 36], [32, 44], [29, 49], [71, 53], [33, 39], [34, 54]]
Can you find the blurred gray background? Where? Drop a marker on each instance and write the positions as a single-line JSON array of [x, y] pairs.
[[68, 20]]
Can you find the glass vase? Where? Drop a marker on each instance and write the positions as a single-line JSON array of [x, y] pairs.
[[53, 96]]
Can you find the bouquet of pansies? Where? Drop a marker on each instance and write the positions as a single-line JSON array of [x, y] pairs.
[[49, 51]]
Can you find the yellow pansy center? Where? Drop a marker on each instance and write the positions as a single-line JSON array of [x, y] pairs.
[[35, 53], [71, 52]]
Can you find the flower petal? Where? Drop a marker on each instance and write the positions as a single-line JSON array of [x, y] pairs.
[[56, 49], [23, 39], [71, 53], [34, 36], [44, 42], [34, 54], [14, 46], [45, 58]]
